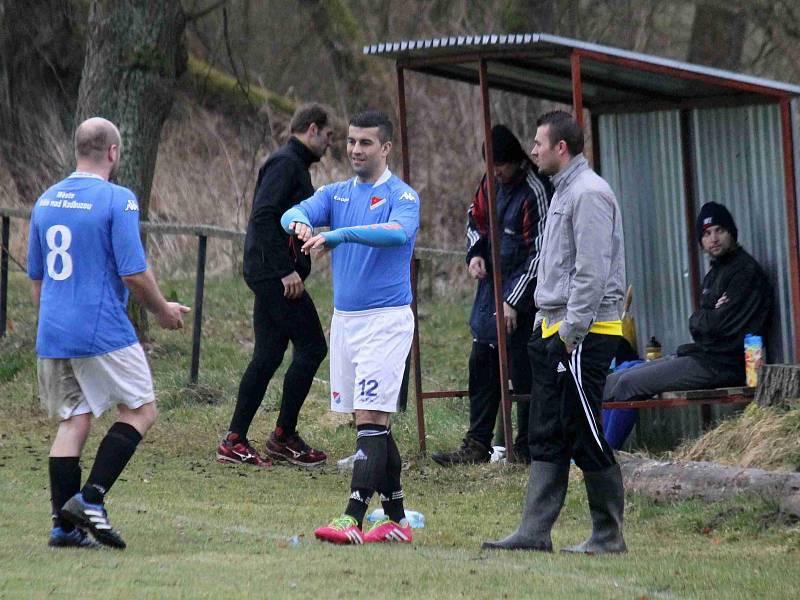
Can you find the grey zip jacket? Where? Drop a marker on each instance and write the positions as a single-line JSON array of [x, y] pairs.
[[581, 275]]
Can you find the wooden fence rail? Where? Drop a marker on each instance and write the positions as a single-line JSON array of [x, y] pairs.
[[202, 232]]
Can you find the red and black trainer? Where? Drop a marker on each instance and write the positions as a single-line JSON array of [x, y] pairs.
[[234, 449], [387, 530], [342, 530], [295, 451]]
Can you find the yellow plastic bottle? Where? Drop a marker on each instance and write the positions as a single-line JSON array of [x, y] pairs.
[[653, 350]]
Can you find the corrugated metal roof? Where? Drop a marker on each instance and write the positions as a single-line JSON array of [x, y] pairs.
[[538, 64]]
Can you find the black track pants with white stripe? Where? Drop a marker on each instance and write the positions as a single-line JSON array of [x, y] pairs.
[[565, 402]]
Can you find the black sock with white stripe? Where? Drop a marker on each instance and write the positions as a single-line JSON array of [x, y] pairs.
[[369, 469], [392, 496], [65, 482], [115, 450]]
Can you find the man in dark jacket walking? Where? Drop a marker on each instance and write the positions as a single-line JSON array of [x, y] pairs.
[[522, 199], [274, 268], [736, 299]]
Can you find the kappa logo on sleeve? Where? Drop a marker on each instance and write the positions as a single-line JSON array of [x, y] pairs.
[[375, 202], [132, 205], [408, 196]]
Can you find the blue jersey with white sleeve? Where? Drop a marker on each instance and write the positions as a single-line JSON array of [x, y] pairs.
[[84, 236], [373, 230]]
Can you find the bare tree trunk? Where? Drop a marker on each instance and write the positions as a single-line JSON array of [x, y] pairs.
[[134, 55], [41, 54], [779, 386], [717, 35], [666, 481], [358, 84]]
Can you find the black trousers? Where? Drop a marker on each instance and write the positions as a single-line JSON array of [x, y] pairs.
[[276, 321], [484, 387], [565, 402]]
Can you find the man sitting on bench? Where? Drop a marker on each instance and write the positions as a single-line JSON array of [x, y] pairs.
[[735, 300]]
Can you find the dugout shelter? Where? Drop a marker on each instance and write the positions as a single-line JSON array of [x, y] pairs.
[[668, 136]]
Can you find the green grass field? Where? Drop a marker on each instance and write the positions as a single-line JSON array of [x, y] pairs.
[[196, 529]]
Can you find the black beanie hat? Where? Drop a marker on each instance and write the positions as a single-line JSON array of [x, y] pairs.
[[712, 213], [505, 146]]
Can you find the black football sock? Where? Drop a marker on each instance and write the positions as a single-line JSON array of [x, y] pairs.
[[114, 452], [392, 496], [65, 482], [369, 469]]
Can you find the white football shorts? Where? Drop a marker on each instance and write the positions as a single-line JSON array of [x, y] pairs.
[[76, 386], [368, 356]]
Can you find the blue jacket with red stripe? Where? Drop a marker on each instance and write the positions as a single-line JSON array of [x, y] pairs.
[[521, 210]]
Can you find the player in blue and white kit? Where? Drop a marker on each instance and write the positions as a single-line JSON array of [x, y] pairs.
[[373, 219], [84, 254]]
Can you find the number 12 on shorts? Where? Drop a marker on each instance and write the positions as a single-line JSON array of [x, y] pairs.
[[368, 388]]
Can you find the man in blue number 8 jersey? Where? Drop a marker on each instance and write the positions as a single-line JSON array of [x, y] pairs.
[[84, 254], [373, 220]]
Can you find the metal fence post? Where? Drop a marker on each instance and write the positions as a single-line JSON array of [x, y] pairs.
[[198, 308], [4, 274]]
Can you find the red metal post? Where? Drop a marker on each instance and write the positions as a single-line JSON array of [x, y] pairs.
[[415, 352], [791, 218], [505, 398], [687, 157], [594, 121], [577, 89]]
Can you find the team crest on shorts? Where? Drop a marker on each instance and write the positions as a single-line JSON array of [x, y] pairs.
[[336, 397], [375, 202]]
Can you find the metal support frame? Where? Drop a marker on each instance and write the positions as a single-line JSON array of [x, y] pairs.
[[197, 332], [497, 282], [4, 250], [577, 87], [758, 94], [791, 217], [690, 194], [416, 360]]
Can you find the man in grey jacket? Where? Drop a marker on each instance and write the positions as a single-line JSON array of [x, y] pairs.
[[581, 278]]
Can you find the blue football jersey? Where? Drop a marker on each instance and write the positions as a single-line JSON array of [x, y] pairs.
[[367, 277], [84, 237]]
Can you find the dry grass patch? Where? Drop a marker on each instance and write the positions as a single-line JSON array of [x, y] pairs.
[[759, 437]]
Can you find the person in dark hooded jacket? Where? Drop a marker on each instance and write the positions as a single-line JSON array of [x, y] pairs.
[[523, 196], [736, 299]]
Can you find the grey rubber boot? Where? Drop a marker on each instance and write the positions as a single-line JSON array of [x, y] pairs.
[[547, 488], [606, 505]]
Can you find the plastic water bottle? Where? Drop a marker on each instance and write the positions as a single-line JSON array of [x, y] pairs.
[[498, 454], [346, 464], [415, 519]]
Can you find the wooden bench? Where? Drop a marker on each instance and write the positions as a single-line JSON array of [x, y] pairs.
[[729, 395], [702, 398]]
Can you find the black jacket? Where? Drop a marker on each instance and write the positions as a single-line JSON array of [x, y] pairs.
[[283, 181], [521, 210], [718, 333]]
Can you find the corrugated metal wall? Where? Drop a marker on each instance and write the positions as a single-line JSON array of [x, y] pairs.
[[739, 163], [640, 156]]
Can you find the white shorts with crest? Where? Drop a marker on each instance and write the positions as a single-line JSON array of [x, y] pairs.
[[75, 386], [368, 357]]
